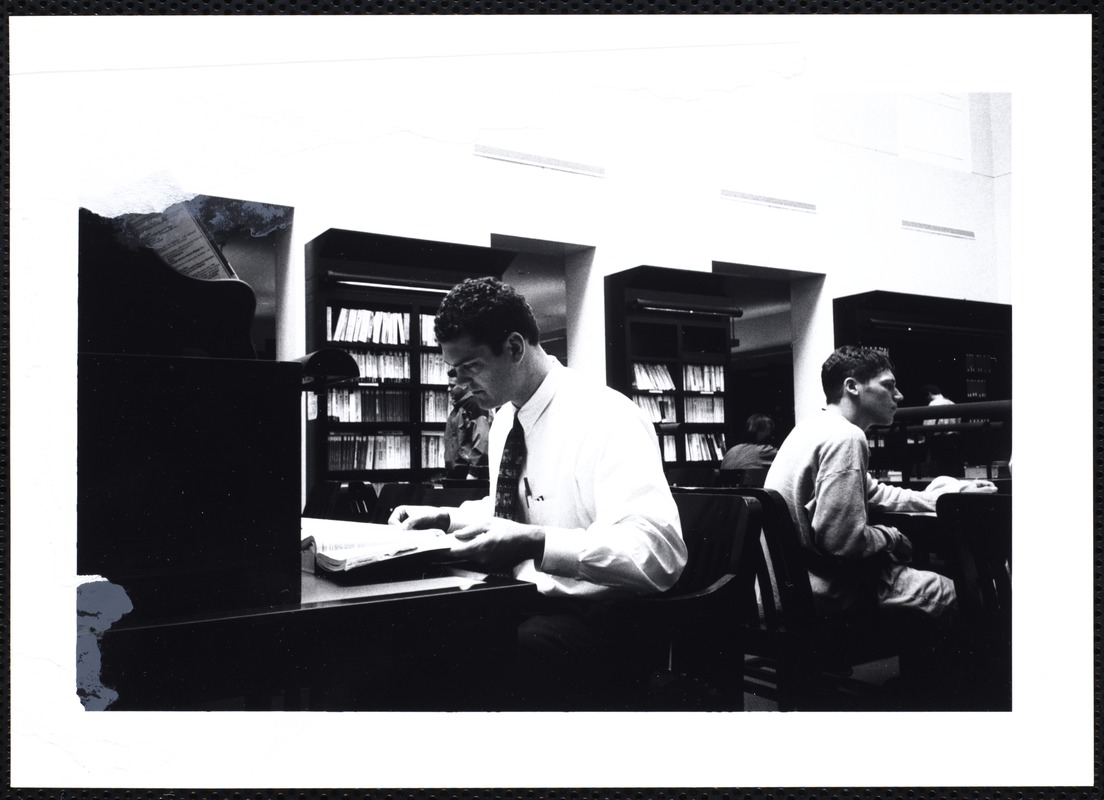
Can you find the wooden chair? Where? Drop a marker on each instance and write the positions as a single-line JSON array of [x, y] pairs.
[[393, 495], [354, 500], [695, 622], [359, 501], [702, 476], [322, 500], [451, 496], [746, 478], [465, 483], [790, 655]]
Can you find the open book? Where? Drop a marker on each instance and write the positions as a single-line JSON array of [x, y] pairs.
[[339, 546]]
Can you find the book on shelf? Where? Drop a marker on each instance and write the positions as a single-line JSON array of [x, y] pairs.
[[703, 377], [704, 446], [652, 377], [364, 326], [433, 369], [433, 449], [429, 336], [355, 451], [658, 409], [381, 367], [703, 409], [435, 405], [334, 546]]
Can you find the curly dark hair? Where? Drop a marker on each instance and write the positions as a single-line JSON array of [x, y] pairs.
[[860, 363], [487, 310]]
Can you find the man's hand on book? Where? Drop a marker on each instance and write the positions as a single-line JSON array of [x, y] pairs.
[[499, 543], [420, 517]]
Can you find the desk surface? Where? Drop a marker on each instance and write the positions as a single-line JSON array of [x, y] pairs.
[[407, 633], [319, 590]]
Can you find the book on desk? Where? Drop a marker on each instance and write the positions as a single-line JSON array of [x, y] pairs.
[[363, 551]]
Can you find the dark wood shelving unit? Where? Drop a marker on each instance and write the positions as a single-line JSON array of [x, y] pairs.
[[673, 361], [962, 346], [399, 282]]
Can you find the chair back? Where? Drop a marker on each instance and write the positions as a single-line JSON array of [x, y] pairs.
[[359, 501], [774, 581], [322, 500], [751, 477], [452, 496], [716, 528], [981, 525], [691, 476], [465, 483], [393, 495], [354, 501]]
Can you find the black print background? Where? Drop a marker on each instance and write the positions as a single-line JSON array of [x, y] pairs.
[[171, 7]]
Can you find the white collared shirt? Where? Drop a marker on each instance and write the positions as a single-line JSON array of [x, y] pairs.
[[593, 479]]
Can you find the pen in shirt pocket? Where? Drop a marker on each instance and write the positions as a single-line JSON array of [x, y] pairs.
[[529, 499]]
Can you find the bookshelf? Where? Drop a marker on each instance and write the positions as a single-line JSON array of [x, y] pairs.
[[673, 358], [374, 297], [964, 440], [962, 346]]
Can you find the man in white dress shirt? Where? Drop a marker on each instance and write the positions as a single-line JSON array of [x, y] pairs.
[[594, 520]]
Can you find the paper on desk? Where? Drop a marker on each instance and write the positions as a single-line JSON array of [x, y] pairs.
[[340, 545], [327, 591]]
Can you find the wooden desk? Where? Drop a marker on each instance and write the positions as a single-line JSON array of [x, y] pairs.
[[408, 646], [933, 544]]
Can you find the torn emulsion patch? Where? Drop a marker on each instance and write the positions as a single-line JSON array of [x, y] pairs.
[[149, 195], [100, 604]]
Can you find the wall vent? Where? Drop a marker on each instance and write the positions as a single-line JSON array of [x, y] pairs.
[[545, 162], [923, 227], [773, 202]]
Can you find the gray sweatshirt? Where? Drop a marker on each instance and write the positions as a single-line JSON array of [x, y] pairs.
[[821, 472]]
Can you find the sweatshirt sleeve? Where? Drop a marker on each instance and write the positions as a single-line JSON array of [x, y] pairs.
[[883, 497], [838, 509]]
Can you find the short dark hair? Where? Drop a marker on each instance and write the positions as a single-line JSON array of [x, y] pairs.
[[759, 428], [860, 363], [931, 388], [487, 310]]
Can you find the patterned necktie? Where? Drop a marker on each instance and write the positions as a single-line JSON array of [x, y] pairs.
[[509, 473]]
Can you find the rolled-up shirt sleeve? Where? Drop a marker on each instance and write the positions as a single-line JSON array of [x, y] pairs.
[[635, 540]]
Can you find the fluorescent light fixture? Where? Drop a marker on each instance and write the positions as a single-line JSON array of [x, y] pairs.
[[688, 308], [773, 202], [545, 162], [923, 227], [393, 286]]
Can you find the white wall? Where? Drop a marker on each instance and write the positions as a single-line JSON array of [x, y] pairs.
[[763, 331], [386, 145]]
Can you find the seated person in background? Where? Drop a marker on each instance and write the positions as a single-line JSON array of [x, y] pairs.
[[756, 450], [580, 507], [466, 433], [936, 398], [821, 471]]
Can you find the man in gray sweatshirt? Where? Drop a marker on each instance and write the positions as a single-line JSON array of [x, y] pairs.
[[821, 471]]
